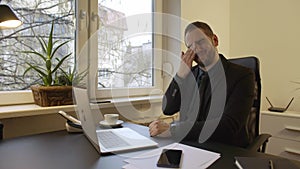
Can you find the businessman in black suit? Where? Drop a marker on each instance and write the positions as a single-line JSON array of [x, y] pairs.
[[214, 97]]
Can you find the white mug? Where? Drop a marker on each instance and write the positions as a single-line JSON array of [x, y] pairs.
[[111, 118]]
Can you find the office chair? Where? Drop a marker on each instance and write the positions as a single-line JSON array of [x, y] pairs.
[[1, 131], [258, 142]]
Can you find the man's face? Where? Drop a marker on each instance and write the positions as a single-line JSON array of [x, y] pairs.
[[202, 45]]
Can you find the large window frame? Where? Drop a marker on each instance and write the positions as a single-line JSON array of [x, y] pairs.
[[92, 58], [13, 97], [86, 11]]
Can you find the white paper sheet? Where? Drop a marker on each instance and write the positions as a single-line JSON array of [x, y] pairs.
[[191, 158]]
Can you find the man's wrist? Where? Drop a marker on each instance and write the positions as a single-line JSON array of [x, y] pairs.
[[166, 133]]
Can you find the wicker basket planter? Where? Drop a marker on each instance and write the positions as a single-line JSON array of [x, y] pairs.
[[52, 95]]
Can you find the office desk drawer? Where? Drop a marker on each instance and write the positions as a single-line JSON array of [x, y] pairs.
[[284, 148], [281, 126]]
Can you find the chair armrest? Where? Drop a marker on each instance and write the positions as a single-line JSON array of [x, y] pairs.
[[259, 143]]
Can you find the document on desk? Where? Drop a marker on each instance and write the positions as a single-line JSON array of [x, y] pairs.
[[264, 163], [192, 158]]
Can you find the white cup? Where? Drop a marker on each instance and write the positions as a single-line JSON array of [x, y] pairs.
[[111, 118]]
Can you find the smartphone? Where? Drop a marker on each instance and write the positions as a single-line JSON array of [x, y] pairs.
[[169, 158]]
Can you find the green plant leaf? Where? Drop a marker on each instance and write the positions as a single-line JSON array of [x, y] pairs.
[[79, 77], [45, 81], [49, 78], [36, 53], [48, 64], [29, 68], [37, 69], [49, 50], [55, 42], [67, 76], [54, 51], [50, 42], [42, 43], [60, 62]]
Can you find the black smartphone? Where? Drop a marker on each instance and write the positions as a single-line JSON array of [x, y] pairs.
[[169, 158]]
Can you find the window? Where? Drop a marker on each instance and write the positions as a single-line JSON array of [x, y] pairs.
[[125, 57], [122, 60], [37, 17]]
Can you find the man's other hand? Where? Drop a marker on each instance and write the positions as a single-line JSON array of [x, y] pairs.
[[157, 127]]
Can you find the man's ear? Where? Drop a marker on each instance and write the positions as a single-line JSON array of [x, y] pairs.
[[215, 40]]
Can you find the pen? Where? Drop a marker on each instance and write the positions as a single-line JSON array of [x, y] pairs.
[[271, 164]]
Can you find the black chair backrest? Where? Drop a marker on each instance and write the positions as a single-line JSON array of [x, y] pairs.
[[253, 119], [1, 131]]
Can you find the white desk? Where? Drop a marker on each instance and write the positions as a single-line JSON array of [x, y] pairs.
[[285, 131]]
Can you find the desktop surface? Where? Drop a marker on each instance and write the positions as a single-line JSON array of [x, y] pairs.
[[61, 150]]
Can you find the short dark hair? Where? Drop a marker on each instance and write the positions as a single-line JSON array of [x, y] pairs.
[[201, 25]]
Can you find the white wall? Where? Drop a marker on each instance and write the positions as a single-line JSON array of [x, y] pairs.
[[270, 30], [215, 13], [267, 29]]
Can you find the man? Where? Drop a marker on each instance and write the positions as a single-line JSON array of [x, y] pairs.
[[213, 107]]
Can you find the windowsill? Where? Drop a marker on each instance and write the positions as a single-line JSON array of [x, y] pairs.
[[23, 110]]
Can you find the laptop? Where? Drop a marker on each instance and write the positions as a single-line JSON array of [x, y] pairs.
[[278, 109], [106, 140]]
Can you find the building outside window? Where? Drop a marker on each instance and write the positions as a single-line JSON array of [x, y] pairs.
[[124, 59], [129, 55]]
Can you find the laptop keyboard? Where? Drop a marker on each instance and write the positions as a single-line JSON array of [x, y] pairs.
[[110, 140]]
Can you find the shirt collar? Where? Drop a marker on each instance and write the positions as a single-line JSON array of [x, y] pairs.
[[215, 69]]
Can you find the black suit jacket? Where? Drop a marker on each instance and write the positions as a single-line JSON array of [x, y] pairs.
[[220, 114]]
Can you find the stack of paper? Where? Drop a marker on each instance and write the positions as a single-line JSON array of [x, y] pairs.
[[192, 158]]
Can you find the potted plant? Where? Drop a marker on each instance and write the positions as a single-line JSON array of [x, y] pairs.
[[56, 87]]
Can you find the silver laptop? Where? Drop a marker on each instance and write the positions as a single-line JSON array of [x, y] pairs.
[[106, 140]]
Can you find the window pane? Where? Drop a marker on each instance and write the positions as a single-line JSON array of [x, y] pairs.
[[37, 17], [125, 44]]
